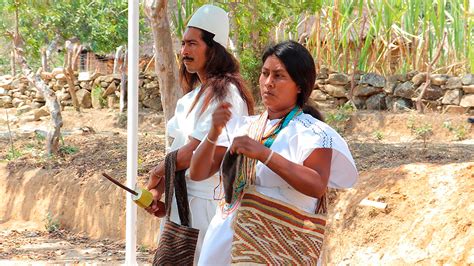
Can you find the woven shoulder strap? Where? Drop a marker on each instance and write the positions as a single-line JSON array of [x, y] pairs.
[[175, 181]]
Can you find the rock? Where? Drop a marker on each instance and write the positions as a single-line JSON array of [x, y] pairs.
[[17, 102], [152, 85], [453, 83], [468, 79], [111, 101], [452, 97], [117, 76], [109, 78], [318, 95], [432, 93], [110, 90], [84, 76], [405, 90], [454, 109], [335, 91], [324, 71], [320, 83], [84, 98], [57, 70], [27, 118], [419, 78], [338, 79], [410, 75], [364, 90], [95, 76], [104, 84], [376, 102], [6, 101], [401, 77], [6, 84], [63, 95], [97, 97], [439, 79], [24, 109], [47, 76], [373, 79], [41, 112], [468, 89], [467, 100], [37, 104], [398, 104], [390, 86], [322, 76], [3, 92], [359, 102], [153, 103]]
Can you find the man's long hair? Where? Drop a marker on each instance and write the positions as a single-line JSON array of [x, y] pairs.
[[222, 69]]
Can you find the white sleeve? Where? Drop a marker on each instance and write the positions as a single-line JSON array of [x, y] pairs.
[[203, 125], [319, 135]]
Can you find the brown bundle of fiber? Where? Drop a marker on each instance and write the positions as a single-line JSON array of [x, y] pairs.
[[229, 171]]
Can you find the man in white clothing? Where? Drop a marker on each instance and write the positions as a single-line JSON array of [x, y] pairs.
[[209, 74]]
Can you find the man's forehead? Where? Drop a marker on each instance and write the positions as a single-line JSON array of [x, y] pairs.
[[192, 34]]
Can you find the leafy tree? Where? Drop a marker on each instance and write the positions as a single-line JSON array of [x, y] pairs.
[[100, 24]]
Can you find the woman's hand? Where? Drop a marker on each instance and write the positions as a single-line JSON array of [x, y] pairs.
[[250, 148], [157, 207], [156, 186], [220, 117]]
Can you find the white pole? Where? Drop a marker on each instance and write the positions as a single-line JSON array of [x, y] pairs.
[[132, 127]]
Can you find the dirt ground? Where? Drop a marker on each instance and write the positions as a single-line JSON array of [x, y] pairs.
[[428, 189]]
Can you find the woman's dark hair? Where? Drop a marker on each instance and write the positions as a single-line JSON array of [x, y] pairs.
[[222, 69], [300, 66]]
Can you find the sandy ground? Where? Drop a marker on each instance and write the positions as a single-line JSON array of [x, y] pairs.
[[428, 192]]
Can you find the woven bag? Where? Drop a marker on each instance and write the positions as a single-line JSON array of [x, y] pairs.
[[272, 232], [177, 241]]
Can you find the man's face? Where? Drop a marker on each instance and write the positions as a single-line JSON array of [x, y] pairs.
[[193, 51]]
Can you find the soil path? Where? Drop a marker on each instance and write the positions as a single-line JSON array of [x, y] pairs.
[[428, 192]]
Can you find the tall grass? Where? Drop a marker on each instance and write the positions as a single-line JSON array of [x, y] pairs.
[[392, 36], [385, 36]]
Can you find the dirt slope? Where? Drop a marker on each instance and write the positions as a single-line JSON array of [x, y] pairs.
[[429, 193]]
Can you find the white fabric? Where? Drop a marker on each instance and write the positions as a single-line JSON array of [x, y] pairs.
[[214, 20], [181, 127], [295, 142]]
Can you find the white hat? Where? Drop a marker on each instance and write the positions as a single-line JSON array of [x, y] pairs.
[[214, 20]]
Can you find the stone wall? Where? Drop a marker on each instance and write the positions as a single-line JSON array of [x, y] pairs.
[[372, 91], [396, 92], [97, 91]]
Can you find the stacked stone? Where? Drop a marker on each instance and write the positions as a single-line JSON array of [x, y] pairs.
[[396, 92], [17, 92]]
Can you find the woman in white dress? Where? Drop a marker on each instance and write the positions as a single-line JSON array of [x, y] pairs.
[[209, 75], [300, 155]]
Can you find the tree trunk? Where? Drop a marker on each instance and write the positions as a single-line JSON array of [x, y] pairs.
[[44, 60], [70, 59], [54, 133], [118, 55], [165, 63], [123, 82], [12, 63]]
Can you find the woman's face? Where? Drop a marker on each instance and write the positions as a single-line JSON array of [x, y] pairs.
[[279, 92]]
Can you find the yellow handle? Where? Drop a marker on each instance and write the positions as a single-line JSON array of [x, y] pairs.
[[144, 198]]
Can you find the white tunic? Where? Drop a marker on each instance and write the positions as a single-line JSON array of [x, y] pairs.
[[181, 127], [295, 142]]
